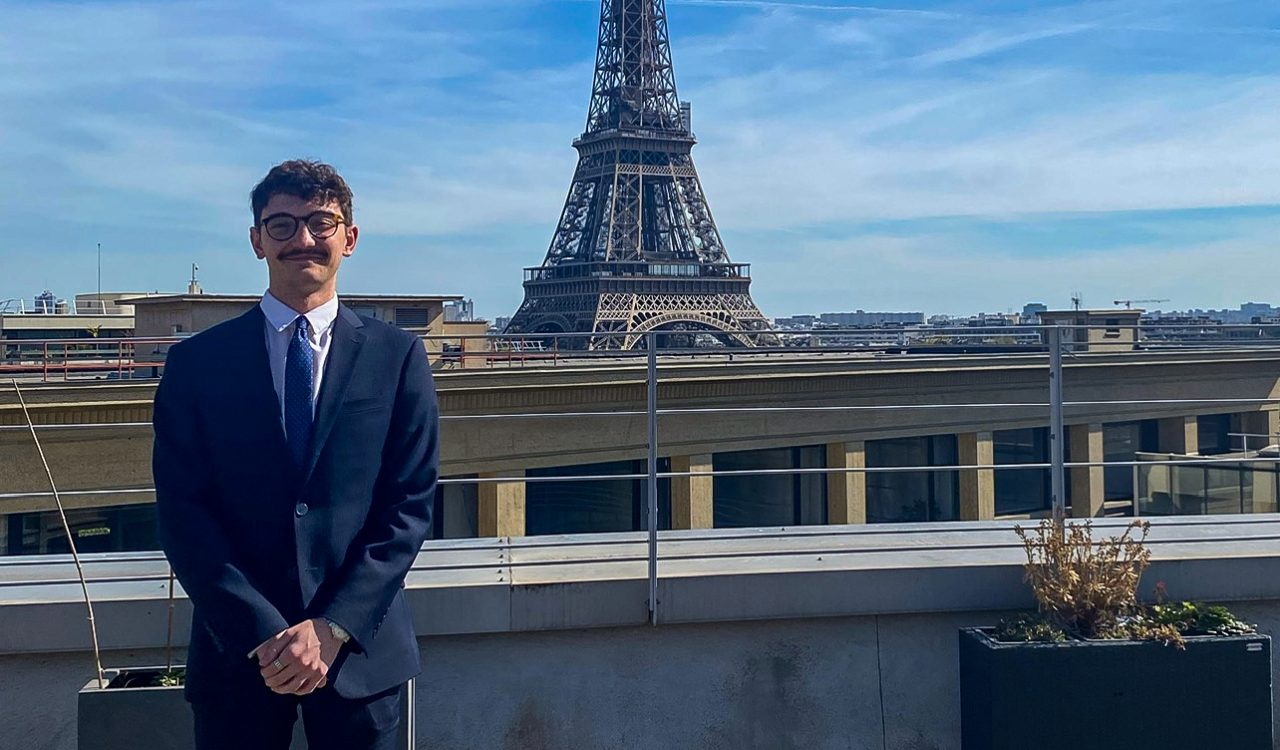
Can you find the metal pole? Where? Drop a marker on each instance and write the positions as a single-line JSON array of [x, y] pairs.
[[1137, 505], [100, 275], [651, 340], [1204, 491], [407, 738], [1057, 446]]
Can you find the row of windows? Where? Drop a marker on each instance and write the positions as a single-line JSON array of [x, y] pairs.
[[740, 501]]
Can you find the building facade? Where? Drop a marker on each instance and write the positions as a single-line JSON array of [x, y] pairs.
[[513, 461]]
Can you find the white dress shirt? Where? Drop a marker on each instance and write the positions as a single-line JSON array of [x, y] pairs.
[[280, 323]]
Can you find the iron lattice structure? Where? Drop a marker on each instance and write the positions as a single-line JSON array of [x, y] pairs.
[[636, 249]]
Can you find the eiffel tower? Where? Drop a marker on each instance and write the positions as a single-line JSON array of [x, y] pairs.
[[636, 249]]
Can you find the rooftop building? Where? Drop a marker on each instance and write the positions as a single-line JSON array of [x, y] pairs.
[[1097, 330], [186, 314], [47, 317]]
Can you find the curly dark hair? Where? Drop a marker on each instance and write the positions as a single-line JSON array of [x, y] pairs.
[[308, 180]]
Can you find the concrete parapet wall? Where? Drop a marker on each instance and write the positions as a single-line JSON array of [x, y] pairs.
[[837, 637], [888, 681]]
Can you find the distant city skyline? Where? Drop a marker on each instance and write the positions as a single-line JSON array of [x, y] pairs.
[[468, 308], [943, 157], [1242, 310]]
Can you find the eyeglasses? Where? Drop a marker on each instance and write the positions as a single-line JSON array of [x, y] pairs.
[[321, 225]]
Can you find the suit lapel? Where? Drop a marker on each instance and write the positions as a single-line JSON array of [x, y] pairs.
[[260, 402], [343, 350]]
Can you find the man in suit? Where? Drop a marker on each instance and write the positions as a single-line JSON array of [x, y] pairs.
[[295, 469]]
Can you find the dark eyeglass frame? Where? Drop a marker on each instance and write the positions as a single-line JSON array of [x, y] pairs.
[[298, 221]]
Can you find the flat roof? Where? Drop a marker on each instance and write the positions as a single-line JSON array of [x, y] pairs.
[[1107, 311], [256, 297], [64, 321]]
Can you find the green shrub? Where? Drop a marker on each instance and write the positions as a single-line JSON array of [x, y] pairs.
[[1030, 627]]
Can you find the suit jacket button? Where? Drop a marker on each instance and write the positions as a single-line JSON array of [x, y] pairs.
[[301, 509]]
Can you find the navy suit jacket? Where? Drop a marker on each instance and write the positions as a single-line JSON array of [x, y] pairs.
[[260, 544]]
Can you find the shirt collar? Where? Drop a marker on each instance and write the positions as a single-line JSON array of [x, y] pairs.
[[280, 316]]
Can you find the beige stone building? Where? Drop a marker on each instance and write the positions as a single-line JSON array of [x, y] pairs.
[[186, 314], [539, 427], [1096, 330], [182, 315]]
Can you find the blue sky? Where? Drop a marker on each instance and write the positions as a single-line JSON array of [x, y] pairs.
[[945, 157]]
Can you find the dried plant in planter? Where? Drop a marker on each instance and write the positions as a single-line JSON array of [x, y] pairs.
[[169, 677], [1087, 589], [71, 540], [1084, 587]]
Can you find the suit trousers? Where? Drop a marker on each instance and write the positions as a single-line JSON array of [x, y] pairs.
[[258, 719]]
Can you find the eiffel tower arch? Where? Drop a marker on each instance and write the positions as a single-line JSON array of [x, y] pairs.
[[636, 249]]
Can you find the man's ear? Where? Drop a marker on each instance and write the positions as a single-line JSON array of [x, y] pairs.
[[255, 239], [353, 234]]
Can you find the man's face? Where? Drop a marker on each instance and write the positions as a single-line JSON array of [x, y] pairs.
[[304, 262]]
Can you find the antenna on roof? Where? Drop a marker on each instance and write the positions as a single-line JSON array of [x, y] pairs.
[[194, 286], [1077, 299]]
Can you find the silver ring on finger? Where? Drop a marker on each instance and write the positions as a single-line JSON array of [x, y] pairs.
[[279, 667]]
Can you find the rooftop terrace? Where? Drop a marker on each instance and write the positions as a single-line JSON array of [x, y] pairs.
[[770, 637]]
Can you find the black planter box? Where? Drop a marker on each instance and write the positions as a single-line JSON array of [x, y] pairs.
[[120, 718], [1115, 694]]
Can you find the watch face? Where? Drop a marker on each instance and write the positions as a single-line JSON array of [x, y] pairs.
[[338, 631]]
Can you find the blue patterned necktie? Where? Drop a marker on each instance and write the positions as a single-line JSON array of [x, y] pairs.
[[298, 374]]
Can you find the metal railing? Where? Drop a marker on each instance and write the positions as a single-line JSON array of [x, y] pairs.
[[1061, 346], [63, 307], [115, 358], [53, 360]]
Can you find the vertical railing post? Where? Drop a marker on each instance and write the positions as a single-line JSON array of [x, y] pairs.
[[651, 341], [1204, 490], [1057, 443], [1137, 489], [1240, 470], [407, 736]]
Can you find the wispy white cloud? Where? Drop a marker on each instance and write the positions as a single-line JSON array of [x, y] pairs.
[[1145, 148], [148, 122], [987, 42], [933, 271]]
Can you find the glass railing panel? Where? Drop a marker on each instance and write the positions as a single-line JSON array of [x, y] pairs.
[[1187, 487], [1223, 490]]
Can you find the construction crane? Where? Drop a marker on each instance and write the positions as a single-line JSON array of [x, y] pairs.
[[1128, 303]]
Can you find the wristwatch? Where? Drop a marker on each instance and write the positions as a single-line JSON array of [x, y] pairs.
[[338, 631]]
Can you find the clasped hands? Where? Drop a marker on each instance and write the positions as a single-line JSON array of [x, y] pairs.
[[296, 660]]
